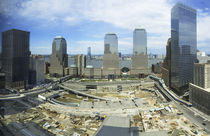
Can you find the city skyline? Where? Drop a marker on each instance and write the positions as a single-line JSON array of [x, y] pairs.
[[83, 24]]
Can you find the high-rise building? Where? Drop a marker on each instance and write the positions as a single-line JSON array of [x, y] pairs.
[[36, 69], [139, 58], [59, 57], [89, 53], [202, 74], [166, 68], [15, 58], [200, 91], [110, 58], [80, 63], [183, 46]]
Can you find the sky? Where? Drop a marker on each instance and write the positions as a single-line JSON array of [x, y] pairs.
[[84, 23]]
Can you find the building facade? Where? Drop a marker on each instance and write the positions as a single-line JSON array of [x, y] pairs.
[[200, 90], [46, 67], [183, 46], [111, 57], [80, 63], [202, 74], [2, 81], [36, 68], [15, 58], [139, 65], [59, 57], [166, 66], [89, 53], [200, 98], [139, 58], [73, 71]]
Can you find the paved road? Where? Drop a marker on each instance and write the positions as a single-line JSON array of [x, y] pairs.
[[20, 95], [194, 117], [43, 88]]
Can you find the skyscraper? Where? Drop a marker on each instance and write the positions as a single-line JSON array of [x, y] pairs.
[[199, 94], [110, 58], [15, 57], [80, 62], [36, 69], [139, 59], [166, 68], [89, 53], [59, 57], [183, 46], [202, 74]]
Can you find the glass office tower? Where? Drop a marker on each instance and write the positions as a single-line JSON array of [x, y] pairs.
[[183, 45], [59, 57], [59, 48], [110, 58], [140, 41], [139, 59], [111, 43]]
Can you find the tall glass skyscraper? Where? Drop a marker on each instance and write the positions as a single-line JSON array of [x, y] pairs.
[[139, 41], [59, 57], [183, 45], [111, 43], [110, 58], [139, 59]]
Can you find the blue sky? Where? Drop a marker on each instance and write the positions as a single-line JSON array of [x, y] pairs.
[[84, 23]]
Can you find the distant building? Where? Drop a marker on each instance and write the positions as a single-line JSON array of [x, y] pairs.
[[110, 58], [157, 68], [15, 58], [59, 57], [200, 90], [183, 46], [166, 67], [139, 65], [202, 57], [139, 59], [89, 53], [89, 72], [120, 54], [73, 71], [36, 68], [46, 67], [80, 63]]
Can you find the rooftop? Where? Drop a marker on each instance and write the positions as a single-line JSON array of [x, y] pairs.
[[116, 121], [203, 89], [117, 126], [59, 37], [110, 33], [139, 28], [154, 133], [179, 4]]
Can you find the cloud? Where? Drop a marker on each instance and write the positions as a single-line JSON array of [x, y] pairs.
[[154, 16], [123, 14]]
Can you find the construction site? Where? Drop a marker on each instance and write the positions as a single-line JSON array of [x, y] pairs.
[[82, 108]]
